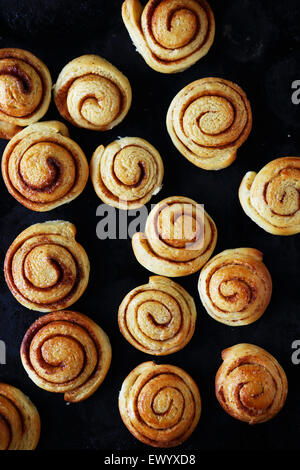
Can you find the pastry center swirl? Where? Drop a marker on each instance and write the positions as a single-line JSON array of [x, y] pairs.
[[254, 389], [21, 88], [157, 315], [175, 29], [45, 272], [233, 288], [214, 121], [131, 165], [95, 99], [282, 193], [174, 26], [162, 404], [63, 353], [130, 170], [44, 172], [179, 226], [57, 358]]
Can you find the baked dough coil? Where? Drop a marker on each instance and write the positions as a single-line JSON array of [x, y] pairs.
[[271, 197], [208, 120], [45, 268], [235, 286], [25, 90], [179, 238], [19, 420], [160, 404], [92, 93], [250, 384], [127, 172], [171, 35], [159, 317], [66, 352], [43, 168]]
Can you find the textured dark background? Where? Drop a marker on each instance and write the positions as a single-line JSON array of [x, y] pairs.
[[257, 45]]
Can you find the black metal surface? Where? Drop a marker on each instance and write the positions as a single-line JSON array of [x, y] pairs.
[[257, 45]]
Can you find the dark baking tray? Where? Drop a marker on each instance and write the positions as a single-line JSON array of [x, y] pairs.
[[257, 45]]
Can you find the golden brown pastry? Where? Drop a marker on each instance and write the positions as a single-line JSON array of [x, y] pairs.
[[160, 404], [159, 317], [171, 35], [66, 352], [45, 268], [235, 286], [179, 238], [271, 196], [43, 168], [25, 90], [19, 420], [92, 93], [250, 384], [127, 172], [208, 120]]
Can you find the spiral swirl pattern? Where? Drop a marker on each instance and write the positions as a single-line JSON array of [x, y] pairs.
[[208, 120], [250, 384], [171, 35], [159, 317], [271, 197], [92, 93], [235, 286], [19, 420], [160, 404], [127, 172], [179, 238], [43, 168], [45, 268], [66, 352], [25, 90]]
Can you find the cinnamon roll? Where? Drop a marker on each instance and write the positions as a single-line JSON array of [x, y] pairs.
[[45, 268], [271, 197], [208, 120], [159, 317], [250, 384], [160, 404], [171, 35], [43, 168], [92, 93], [25, 90], [19, 420], [66, 352], [179, 238], [127, 172], [235, 286]]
